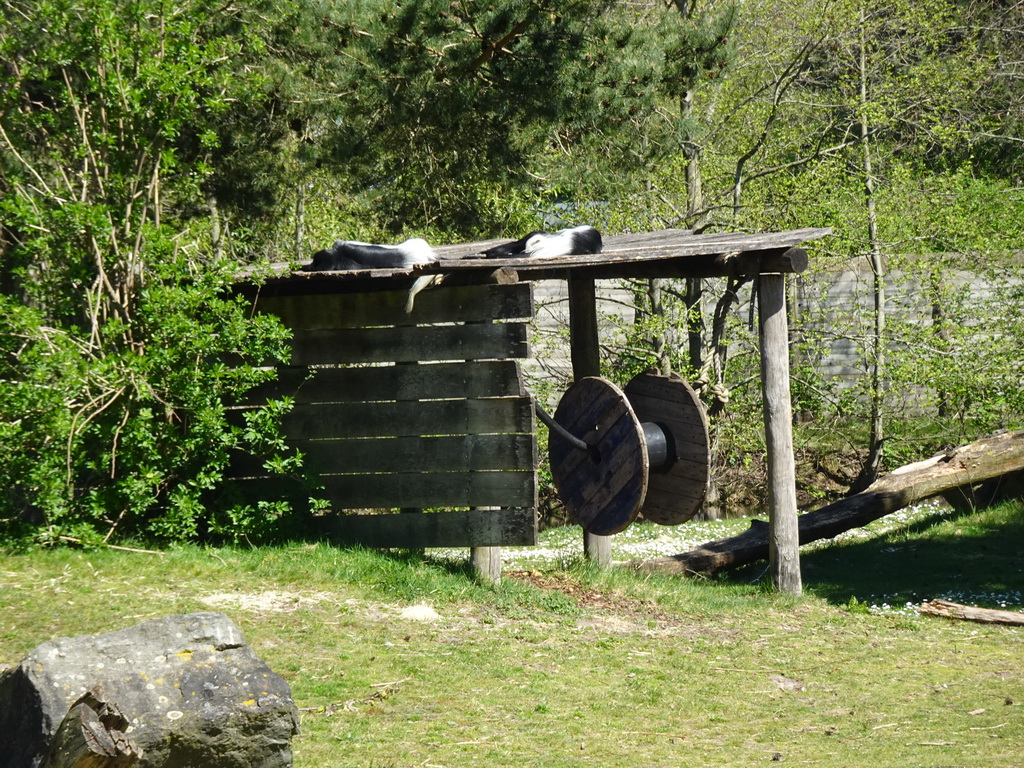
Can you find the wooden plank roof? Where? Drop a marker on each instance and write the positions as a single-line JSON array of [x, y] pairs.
[[665, 253]]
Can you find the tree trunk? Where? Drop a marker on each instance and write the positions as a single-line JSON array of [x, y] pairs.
[[216, 236], [982, 460], [876, 362], [696, 221], [950, 610], [660, 341], [940, 327], [300, 221]]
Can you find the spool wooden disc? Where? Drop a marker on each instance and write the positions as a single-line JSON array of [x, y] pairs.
[[603, 490], [675, 494]]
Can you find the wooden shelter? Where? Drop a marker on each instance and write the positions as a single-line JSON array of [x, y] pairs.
[[428, 409]]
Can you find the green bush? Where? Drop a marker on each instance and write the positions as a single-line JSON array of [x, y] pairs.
[[135, 441]]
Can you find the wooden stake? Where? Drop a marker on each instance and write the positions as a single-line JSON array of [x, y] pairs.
[[586, 361], [486, 562], [784, 538]]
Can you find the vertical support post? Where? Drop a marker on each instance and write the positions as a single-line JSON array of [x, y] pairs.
[[586, 361], [783, 532], [486, 562]]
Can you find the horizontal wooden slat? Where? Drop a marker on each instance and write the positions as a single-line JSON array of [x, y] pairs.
[[481, 341], [396, 490], [410, 419], [409, 454], [469, 528], [473, 303], [438, 489], [481, 378], [423, 454]]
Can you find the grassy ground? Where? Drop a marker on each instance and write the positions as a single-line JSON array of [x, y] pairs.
[[564, 666]]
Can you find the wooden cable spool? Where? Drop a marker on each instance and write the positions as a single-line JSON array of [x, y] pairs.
[[646, 451]]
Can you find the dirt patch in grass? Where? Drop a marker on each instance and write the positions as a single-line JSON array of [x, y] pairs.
[[610, 611], [589, 597], [286, 601]]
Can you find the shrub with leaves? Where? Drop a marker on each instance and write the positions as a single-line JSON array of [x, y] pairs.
[[116, 320], [135, 442]]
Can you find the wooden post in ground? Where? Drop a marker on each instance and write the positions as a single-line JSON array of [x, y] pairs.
[[784, 539], [486, 562], [586, 361]]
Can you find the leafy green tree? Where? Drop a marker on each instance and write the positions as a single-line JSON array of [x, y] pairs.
[[900, 74], [112, 385], [444, 101]]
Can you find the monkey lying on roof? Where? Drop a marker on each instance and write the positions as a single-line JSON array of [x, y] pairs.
[[347, 255], [545, 245]]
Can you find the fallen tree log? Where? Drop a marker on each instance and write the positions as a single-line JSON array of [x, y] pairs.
[[972, 463], [949, 610]]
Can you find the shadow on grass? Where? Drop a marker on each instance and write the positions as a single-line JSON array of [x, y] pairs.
[[972, 558]]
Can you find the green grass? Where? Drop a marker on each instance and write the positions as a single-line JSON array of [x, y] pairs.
[[973, 558], [609, 668]]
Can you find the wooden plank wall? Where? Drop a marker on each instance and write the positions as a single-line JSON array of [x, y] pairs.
[[420, 410]]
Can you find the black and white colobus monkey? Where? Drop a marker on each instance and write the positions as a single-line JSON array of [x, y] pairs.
[[575, 241], [346, 255], [349, 255]]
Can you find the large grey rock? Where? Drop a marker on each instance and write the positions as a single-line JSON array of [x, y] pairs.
[[193, 692]]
